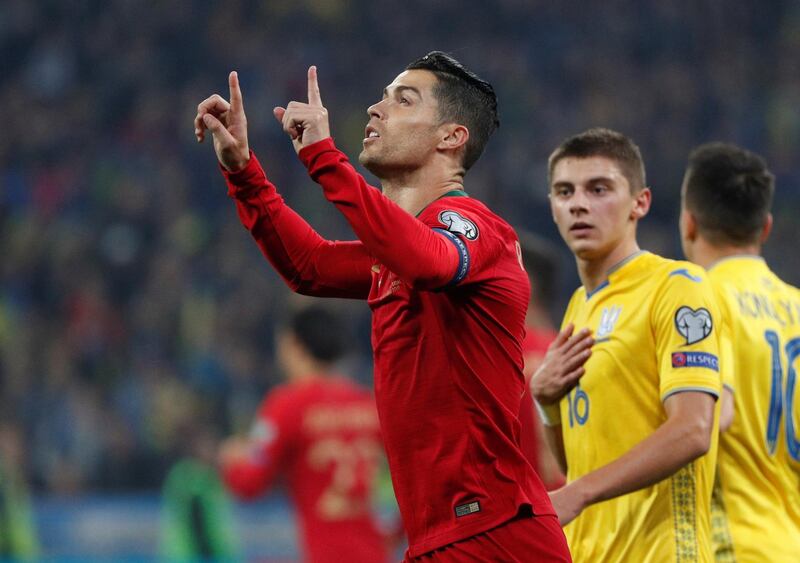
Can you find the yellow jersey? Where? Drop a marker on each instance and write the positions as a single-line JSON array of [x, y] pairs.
[[758, 481], [654, 328]]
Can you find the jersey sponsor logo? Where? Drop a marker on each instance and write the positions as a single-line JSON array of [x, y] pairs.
[[695, 360], [608, 319], [693, 325], [469, 508], [457, 223]]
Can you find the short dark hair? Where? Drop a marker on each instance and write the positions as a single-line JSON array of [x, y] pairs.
[[464, 98], [609, 144], [320, 332], [729, 190]]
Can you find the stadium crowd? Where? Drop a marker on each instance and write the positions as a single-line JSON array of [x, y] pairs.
[[134, 312]]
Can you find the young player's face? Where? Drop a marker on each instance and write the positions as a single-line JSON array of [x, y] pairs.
[[593, 206], [402, 131]]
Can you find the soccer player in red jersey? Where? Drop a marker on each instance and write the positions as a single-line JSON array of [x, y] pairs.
[[443, 277], [541, 263], [320, 430]]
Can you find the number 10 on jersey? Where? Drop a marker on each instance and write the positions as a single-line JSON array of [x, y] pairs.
[[782, 398]]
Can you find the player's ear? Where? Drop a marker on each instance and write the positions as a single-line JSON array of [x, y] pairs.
[[766, 230], [641, 203], [688, 224], [453, 136]]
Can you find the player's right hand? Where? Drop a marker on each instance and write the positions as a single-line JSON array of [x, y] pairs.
[[228, 126], [305, 123], [234, 450], [562, 366]]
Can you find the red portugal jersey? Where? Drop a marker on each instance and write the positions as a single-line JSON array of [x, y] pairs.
[[323, 437], [448, 382], [449, 295]]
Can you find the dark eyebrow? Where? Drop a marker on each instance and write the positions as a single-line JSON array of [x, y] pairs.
[[562, 185], [598, 179], [401, 89]]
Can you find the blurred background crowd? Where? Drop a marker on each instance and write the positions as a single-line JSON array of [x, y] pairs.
[[137, 316]]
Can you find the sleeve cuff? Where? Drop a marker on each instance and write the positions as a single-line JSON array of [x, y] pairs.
[[244, 176], [713, 392], [309, 154]]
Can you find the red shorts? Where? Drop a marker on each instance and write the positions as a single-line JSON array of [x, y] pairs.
[[528, 539]]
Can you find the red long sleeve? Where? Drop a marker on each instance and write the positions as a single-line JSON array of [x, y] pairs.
[[247, 480], [412, 250], [307, 262]]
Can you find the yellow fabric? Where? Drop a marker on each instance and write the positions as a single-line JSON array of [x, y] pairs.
[[759, 483], [619, 403]]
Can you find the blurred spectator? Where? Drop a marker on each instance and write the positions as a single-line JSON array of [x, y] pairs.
[[197, 516], [17, 534]]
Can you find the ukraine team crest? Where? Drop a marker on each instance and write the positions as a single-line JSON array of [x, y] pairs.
[[693, 325], [609, 318]]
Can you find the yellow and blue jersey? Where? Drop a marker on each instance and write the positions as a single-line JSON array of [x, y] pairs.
[[654, 326], [757, 496]]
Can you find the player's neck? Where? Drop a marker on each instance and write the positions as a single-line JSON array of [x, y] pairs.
[[706, 254], [594, 271], [306, 370], [415, 190]]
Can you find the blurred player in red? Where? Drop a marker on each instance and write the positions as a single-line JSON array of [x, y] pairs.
[[443, 277], [541, 263], [321, 432]]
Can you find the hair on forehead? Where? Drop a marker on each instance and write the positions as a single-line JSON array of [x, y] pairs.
[[605, 143]]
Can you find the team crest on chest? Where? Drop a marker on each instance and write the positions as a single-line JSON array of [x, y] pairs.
[[693, 325], [458, 224], [608, 319]]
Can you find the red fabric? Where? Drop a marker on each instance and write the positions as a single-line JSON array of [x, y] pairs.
[[527, 539], [448, 362], [308, 263], [323, 436], [534, 347]]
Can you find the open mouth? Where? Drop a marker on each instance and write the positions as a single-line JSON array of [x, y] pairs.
[[370, 133]]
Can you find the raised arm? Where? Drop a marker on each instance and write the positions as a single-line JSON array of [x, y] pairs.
[[412, 250], [308, 263]]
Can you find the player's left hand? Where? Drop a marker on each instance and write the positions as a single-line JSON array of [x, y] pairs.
[[568, 502], [305, 123]]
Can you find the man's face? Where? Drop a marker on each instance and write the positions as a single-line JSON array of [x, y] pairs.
[[593, 206], [402, 131]]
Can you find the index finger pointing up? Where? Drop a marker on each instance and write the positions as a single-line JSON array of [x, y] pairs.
[[236, 93], [314, 99]]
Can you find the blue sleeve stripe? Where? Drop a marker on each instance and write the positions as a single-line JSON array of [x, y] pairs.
[[685, 273], [463, 256]]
